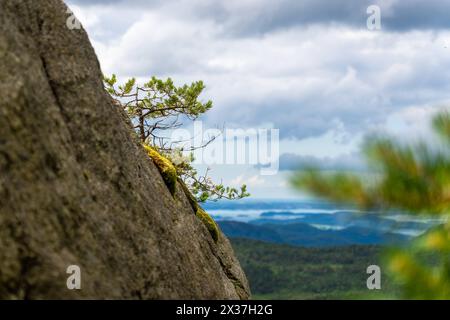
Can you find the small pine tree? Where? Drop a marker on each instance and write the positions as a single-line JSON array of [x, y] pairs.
[[159, 106]]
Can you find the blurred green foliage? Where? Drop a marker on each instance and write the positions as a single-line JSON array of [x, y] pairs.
[[411, 178]]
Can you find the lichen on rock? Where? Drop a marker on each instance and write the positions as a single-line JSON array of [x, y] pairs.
[[207, 220], [165, 167]]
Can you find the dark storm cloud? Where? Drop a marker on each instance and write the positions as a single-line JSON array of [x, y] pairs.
[[251, 17], [396, 15]]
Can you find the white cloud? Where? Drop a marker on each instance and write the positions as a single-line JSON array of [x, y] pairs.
[[302, 80], [252, 181], [307, 67]]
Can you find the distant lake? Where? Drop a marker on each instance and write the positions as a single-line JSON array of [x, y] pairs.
[[319, 214]]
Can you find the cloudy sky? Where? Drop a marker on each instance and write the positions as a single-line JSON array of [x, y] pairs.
[[310, 68]]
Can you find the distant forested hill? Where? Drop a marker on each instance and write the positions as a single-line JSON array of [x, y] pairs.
[[301, 234], [278, 271]]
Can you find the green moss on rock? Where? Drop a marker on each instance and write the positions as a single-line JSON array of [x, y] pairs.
[[165, 167], [200, 213], [188, 193], [209, 223]]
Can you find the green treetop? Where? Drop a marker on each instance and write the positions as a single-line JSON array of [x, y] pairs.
[[159, 106]]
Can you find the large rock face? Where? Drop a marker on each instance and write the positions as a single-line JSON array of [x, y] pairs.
[[77, 189]]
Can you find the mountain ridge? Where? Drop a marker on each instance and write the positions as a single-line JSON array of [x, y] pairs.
[[302, 234]]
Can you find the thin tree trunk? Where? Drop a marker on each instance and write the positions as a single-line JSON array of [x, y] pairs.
[[141, 126]]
